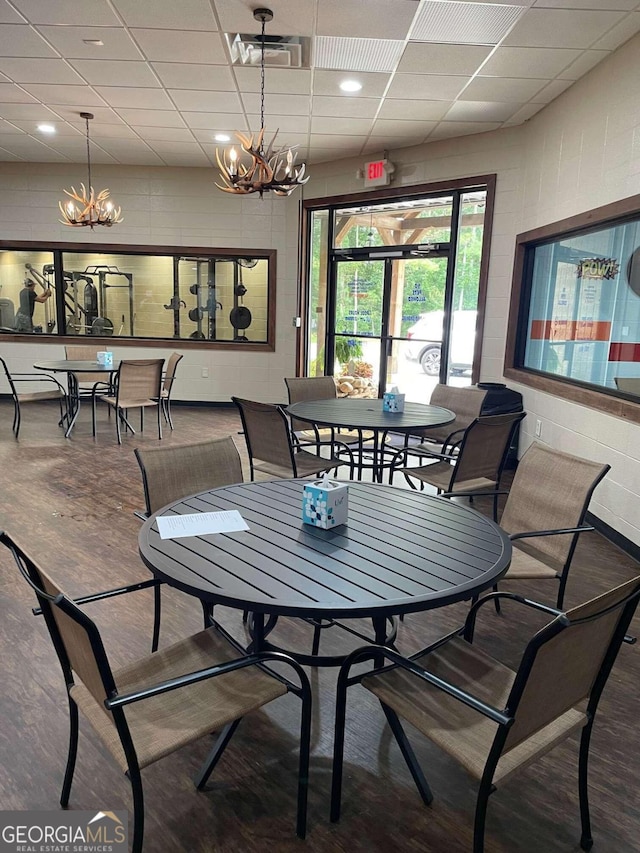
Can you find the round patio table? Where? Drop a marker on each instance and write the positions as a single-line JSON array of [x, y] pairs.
[[72, 369], [368, 415], [401, 551]]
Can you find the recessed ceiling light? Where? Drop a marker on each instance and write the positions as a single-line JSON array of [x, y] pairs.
[[93, 42], [46, 128], [222, 137], [350, 86]]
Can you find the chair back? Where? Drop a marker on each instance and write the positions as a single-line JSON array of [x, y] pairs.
[[78, 352], [551, 490], [466, 404], [7, 374], [484, 448], [628, 384], [139, 380], [75, 637], [171, 473], [170, 375], [266, 431], [309, 388], [568, 662]]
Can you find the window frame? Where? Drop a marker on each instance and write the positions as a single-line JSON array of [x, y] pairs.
[[608, 400], [59, 248]]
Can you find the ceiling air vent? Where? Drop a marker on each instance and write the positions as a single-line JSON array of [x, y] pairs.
[[279, 51]]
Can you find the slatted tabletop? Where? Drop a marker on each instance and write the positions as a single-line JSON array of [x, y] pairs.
[[368, 415], [401, 551]]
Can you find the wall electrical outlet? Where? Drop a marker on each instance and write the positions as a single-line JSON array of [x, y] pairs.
[[538, 428], [205, 372]]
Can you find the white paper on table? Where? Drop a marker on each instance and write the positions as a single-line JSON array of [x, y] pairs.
[[200, 523]]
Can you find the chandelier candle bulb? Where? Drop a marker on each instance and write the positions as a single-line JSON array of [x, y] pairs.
[[393, 401], [325, 503]]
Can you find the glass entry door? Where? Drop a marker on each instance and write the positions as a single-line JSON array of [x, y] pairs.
[[388, 324]]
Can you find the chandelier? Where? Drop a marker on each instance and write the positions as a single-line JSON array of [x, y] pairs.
[[85, 207], [260, 169]]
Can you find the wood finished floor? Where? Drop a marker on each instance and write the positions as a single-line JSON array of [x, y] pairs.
[[71, 503]]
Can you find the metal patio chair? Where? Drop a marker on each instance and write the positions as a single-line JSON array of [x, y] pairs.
[[147, 709], [489, 718], [138, 385], [19, 398]]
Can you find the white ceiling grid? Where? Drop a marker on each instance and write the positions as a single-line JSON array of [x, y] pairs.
[[161, 82]]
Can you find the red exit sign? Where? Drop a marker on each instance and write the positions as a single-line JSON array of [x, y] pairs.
[[377, 173]]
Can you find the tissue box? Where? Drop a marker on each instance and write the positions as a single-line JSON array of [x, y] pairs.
[[105, 358], [392, 402], [325, 503]]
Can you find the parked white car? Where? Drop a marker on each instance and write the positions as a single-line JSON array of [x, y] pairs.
[[426, 339]]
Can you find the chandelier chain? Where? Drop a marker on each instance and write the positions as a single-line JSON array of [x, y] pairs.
[[86, 118], [262, 78]]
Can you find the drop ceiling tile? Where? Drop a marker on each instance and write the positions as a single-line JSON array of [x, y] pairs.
[[163, 148], [612, 5], [223, 122], [187, 14], [329, 140], [186, 75], [151, 118], [356, 54], [426, 58], [63, 128], [103, 132], [502, 89], [101, 115], [326, 82], [68, 13], [193, 158], [292, 105], [137, 157], [279, 81], [450, 129], [39, 71], [426, 87], [585, 62], [12, 94], [463, 23], [70, 42], [619, 34], [413, 128], [164, 134], [30, 149], [400, 109], [283, 124], [21, 40], [524, 114], [381, 19], [561, 28], [80, 96], [74, 147], [317, 155], [8, 14], [528, 62], [482, 111], [200, 101], [344, 106], [144, 99], [377, 144], [7, 157], [181, 46], [206, 135], [110, 72], [26, 112], [551, 91], [340, 126], [291, 17]]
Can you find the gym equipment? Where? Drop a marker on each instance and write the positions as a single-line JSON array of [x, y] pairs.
[[175, 303], [240, 316], [104, 272], [45, 285], [205, 279]]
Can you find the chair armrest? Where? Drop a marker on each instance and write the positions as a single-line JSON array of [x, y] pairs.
[[141, 514], [470, 621], [463, 696], [119, 701], [109, 593], [533, 533], [477, 494], [34, 377]]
